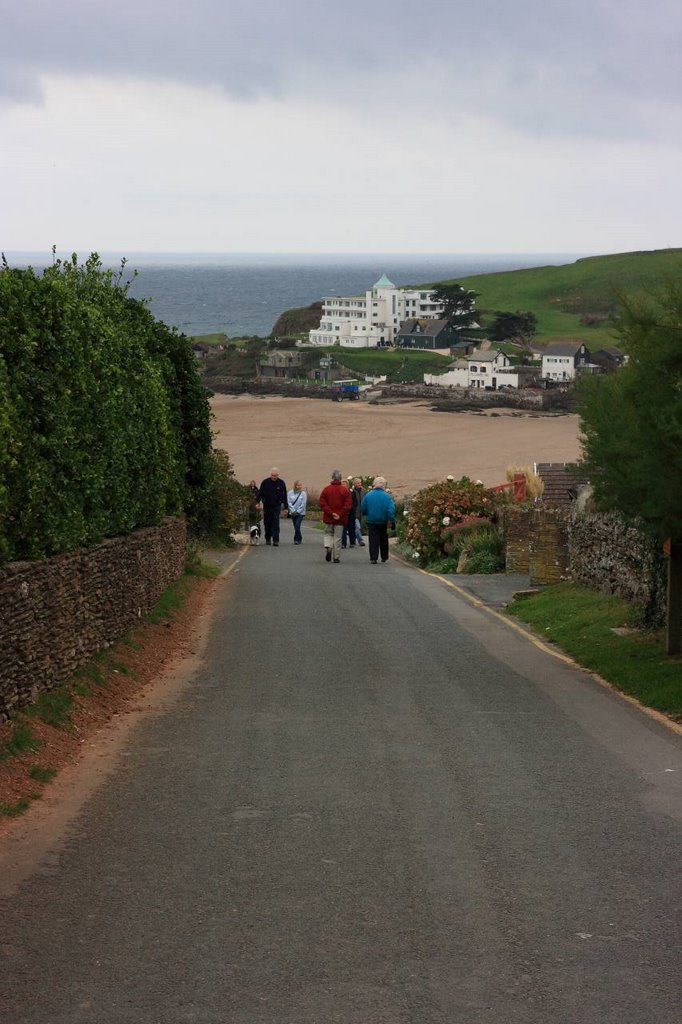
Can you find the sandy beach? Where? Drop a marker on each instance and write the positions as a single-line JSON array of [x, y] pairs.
[[407, 443]]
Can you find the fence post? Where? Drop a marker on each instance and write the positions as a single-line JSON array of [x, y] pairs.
[[519, 487]]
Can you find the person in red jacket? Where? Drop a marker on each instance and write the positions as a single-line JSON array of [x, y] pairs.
[[335, 502]]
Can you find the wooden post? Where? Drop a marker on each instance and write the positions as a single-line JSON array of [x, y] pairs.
[[674, 616], [519, 483]]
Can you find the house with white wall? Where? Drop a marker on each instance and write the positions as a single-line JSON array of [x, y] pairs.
[[480, 369], [372, 319], [563, 360]]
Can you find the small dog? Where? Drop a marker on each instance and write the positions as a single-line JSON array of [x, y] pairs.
[[254, 534]]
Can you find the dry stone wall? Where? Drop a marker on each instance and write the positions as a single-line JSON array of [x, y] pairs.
[[597, 550], [55, 614], [610, 556]]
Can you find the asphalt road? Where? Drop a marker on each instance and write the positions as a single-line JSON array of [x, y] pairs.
[[373, 803]]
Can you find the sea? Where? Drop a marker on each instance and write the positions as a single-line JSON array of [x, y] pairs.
[[244, 294]]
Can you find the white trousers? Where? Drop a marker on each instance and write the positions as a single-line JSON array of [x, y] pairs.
[[332, 538]]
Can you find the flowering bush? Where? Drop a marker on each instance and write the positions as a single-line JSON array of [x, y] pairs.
[[439, 514]]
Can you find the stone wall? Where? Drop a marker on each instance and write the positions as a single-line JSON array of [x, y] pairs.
[[444, 399], [516, 524], [597, 550], [56, 613], [456, 399], [549, 554], [537, 542], [610, 556], [272, 386]]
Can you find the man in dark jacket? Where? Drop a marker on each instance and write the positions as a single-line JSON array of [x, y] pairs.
[[272, 494], [336, 503], [352, 534]]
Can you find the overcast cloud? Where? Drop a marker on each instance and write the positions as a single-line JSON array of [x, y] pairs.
[[531, 117]]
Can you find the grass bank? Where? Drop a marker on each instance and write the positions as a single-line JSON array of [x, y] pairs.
[[582, 623], [561, 296]]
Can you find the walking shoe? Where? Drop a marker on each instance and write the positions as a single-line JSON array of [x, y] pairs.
[[275, 543], [372, 561], [267, 542], [336, 561], [383, 560], [361, 543], [328, 556]]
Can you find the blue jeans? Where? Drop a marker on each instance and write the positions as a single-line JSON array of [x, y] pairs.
[[297, 520]]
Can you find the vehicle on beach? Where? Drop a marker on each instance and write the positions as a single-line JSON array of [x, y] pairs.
[[346, 389]]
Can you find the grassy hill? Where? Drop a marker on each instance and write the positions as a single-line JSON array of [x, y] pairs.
[[403, 364], [560, 296]]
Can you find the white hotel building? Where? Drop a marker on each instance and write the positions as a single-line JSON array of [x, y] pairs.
[[365, 321]]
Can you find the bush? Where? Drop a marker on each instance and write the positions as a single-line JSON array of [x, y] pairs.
[[104, 422], [484, 551], [440, 513], [225, 505], [483, 562]]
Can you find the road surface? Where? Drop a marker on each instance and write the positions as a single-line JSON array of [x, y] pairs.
[[371, 802]]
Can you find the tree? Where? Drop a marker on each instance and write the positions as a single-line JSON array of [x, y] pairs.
[[519, 326], [458, 303], [632, 430]]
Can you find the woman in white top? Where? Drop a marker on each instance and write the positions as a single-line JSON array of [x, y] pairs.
[[297, 499]]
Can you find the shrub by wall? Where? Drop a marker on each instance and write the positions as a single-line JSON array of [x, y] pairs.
[[56, 613], [104, 422], [438, 513]]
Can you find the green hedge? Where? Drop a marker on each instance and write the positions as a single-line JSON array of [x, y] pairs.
[[104, 423]]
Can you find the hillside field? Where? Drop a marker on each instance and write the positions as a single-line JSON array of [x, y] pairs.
[[560, 296]]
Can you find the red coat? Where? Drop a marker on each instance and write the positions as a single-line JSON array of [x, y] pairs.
[[336, 497]]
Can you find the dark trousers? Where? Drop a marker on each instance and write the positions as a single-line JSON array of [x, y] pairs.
[[348, 534], [378, 541], [271, 521]]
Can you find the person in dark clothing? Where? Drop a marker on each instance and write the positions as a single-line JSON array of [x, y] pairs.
[[379, 509], [352, 534], [272, 494]]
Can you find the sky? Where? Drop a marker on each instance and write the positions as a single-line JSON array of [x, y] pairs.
[[361, 126]]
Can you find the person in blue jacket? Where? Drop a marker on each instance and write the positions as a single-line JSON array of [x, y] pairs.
[[378, 508]]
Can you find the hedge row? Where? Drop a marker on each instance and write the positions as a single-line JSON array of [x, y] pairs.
[[104, 423]]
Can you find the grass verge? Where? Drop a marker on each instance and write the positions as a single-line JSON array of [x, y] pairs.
[[173, 599], [21, 739], [582, 623]]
